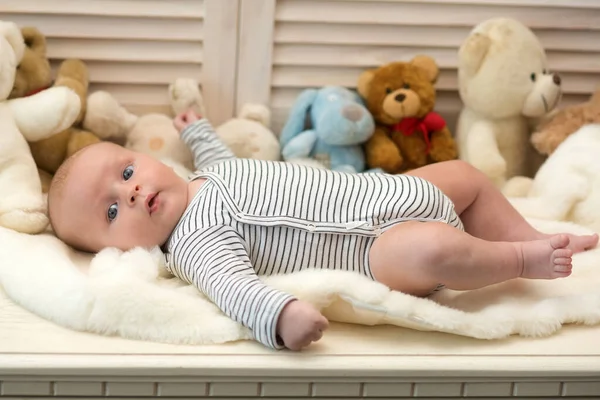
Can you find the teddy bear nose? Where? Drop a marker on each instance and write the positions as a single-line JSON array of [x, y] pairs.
[[556, 79], [352, 112], [400, 97]]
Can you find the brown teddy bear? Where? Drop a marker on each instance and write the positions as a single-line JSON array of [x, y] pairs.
[[401, 98], [50, 153], [550, 133], [33, 73]]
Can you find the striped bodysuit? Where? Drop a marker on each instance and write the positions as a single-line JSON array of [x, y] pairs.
[[255, 217]]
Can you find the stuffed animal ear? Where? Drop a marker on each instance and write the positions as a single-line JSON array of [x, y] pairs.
[[106, 117], [364, 82], [428, 65], [595, 99], [472, 53], [297, 116], [256, 112], [35, 40], [11, 32]]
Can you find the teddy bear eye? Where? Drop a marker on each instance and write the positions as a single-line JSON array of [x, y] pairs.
[[532, 76], [388, 90], [406, 86]]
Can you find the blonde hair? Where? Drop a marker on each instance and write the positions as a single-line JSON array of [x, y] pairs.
[[57, 185]]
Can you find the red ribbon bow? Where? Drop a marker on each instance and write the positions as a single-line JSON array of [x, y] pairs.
[[427, 125], [36, 91]]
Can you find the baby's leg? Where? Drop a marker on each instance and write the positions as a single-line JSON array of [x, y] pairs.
[[483, 209], [414, 257]]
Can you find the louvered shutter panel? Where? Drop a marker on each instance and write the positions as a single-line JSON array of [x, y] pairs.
[[289, 45], [135, 48]]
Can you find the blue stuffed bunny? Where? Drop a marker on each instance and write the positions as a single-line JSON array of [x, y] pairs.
[[339, 124]]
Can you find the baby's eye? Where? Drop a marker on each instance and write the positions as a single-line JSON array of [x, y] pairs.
[[128, 172], [113, 210]]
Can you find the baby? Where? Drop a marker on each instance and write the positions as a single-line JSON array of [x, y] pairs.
[[441, 225]]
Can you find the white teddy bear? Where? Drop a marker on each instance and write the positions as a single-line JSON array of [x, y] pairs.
[[504, 84], [27, 119]]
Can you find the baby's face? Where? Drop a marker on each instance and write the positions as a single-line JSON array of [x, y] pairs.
[[114, 197]]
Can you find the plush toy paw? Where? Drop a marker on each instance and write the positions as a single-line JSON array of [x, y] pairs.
[[24, 221], [46, 113], [518, 186], [348, 169], [443, 153], [492, 164], [67, 105], [387, 158]]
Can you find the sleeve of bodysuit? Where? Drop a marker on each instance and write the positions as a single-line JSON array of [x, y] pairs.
[[215, 260], [205, 145]]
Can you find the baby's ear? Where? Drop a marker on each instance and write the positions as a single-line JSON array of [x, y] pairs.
[[428, 65]]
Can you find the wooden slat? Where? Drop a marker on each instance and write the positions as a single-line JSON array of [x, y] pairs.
[[518, 3], [298, 77], [183, 9], [139, 95], [126, 50], [356, 56], [139, 72], [425, 36], [78, 27], [291, 32], [255, 51], [220, 51], [372, 56], [448, 14]]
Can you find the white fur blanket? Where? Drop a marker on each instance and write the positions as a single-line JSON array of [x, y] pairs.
[[126, 294], [567, 185]]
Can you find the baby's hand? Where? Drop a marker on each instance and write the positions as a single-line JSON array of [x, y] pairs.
[[300, 324], [185, 118]]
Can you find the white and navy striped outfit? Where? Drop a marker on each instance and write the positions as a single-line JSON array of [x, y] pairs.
[[255, 217]]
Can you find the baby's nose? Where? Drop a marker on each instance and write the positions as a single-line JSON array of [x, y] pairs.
[[135, 192]]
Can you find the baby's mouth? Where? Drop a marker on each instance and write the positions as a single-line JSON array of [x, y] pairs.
[[152, 202]]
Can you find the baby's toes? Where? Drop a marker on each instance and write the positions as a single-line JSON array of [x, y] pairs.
[[562, 256], [563, 269], [559, 242], [562, 261]]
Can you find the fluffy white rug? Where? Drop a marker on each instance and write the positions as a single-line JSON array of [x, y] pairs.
[[128, 294]]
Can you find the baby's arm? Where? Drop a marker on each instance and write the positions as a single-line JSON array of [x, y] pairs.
[[202, 139], [215, 260]]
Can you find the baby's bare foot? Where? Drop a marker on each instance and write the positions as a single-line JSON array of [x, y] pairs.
[[578, 243], [546, 259]]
